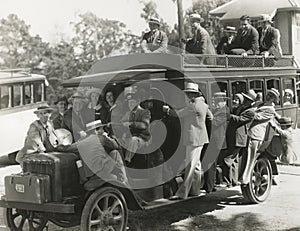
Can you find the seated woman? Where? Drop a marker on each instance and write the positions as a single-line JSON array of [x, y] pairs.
[[96, 104]]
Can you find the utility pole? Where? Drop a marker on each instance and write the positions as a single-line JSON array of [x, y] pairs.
[[180, 23]]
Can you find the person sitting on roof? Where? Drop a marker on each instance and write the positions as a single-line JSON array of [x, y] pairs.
[[155, 40], [269, 38], [224, 45], [246, 41]]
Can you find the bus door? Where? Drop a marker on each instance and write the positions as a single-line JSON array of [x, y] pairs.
[[236, 87]]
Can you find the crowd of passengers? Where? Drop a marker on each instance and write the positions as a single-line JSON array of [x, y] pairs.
[[215, 138], [247, 40]]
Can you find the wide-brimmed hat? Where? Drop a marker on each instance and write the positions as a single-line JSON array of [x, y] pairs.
[[92, 90], [285, 121], [93, 125], [251, 95], [42, 109], [265, 18], [274, 91], [192, 87], [230, 29], [154, 20], [220, 95], [196, 17], [240, 97], [289, 91], [61, 99], [78, 95]]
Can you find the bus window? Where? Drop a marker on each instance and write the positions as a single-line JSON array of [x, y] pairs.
[[17, 95], [238, 87], [273, 83], [38, 92], [258, 87], [288, 91], [27, 95], [4, 93], [203, 88]]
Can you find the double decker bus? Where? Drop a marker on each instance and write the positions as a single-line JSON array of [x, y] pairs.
[[20, 94]]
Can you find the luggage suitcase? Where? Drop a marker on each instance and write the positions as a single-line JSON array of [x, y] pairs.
[[27, 187], [62, 169]]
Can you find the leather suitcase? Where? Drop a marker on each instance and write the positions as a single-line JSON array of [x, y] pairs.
[[62, 169], [27, 187]]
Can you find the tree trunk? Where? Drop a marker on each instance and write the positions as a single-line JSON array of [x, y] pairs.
[[180, 24]]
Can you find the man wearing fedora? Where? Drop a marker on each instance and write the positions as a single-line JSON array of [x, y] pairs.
[[217, 140], [201, 42], [257, 130], [137, 119], [37, 140], [194, 135], [155, 40], [236, 136], [76, 118], [246, 41], [224, 46], [269, 38], [57, 117]]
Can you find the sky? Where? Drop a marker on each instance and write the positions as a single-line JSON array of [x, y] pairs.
[[51, 18]]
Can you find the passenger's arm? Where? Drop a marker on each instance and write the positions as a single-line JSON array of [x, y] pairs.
[[34, 136]]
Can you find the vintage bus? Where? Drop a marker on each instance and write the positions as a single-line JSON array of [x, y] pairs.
[[104, 206], [20, 94]]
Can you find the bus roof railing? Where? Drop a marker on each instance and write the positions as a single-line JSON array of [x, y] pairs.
[[236, 61], [24, 71]]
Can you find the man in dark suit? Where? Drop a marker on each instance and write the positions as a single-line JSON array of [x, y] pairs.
[[236, 136], [246, 41], [194, 137], [217, 140], [155, 40], [58, 116], [269, 38], [224, 45], [76, 118]]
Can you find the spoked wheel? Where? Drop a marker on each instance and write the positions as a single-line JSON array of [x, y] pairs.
[[20, 220], [259, 186], [105, 210]]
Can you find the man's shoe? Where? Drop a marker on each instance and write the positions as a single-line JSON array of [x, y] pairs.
[[274, 182], [174, 198]]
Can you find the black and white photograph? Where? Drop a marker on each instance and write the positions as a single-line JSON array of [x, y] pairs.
[[150, 115]]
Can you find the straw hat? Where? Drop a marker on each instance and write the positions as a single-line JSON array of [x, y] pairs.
[[274, 92], [251, 95], [240, 97], [78, 95], [93, 125], [220, 95], [196, 18], [191, 87], [154, 20], [266, 18], [230, 29], [289, 91], [92, 90], [42, 109], [285, 121]]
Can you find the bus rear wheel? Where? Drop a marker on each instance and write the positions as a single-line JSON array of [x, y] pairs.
[[258, 189], [105, 209], [18, 220]]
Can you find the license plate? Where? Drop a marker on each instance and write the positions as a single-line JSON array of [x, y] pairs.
[[20, 188]]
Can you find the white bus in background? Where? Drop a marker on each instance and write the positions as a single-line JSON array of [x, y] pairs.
[[20, 94]]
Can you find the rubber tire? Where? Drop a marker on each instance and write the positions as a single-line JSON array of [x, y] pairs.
[[248, 191], [12, 226], [92, 200]]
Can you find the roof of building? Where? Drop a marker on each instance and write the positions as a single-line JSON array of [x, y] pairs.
[[254, 8]]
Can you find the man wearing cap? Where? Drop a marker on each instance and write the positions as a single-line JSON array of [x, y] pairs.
[[58, 116], [194, 135], [269, 38], [246, 41], [37, 140], [236, 137], [138, 121], [201, 42], [155, 40], [78, 116], [257, 130], [217, 140], [224, 46]]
